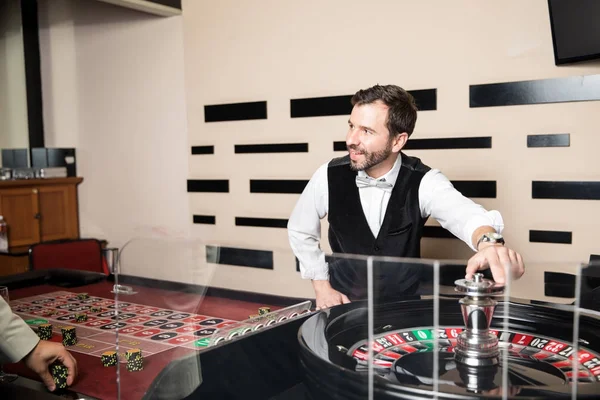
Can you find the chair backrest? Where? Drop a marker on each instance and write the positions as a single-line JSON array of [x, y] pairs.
[[79, 254]]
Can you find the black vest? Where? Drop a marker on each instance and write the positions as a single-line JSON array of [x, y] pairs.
[[399, 236]]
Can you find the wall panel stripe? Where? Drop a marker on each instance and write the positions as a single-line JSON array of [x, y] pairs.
[[479, 189], [277, 186], [203, 150], [339, 146], [565, 190], [207, 185], [437, 232], [271, 148], [426, 100], [556, 90], [482, 142], [241, 257], [261, 222], [235, 111], [536, 236], [556, 140], [204, 219]]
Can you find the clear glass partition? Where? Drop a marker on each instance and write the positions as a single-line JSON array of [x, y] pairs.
[[159, 317], [411, 328], [475, 338]]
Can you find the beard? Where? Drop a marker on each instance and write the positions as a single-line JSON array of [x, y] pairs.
[[371, 158]]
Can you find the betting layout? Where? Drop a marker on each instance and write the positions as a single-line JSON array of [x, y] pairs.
[[150, 329], [388, 348]]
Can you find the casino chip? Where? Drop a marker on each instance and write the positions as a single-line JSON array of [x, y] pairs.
[[264, 310], [135, 361], [69, 336], [59, 373], [81, 317], [95, 309], [83, 296], [253, 315], [109, 358], [44, 331]]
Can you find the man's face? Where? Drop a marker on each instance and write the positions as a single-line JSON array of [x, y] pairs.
[[368, 140]]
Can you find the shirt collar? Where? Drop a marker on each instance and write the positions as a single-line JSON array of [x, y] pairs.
[[391, 175]]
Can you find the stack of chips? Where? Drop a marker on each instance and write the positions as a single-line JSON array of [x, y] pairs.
[[109, 358], [59, 373], [264, 310], [253, 315], [69, 336], [135, 361], [95, 309], [83, 296], [44, 331], [80, 317]]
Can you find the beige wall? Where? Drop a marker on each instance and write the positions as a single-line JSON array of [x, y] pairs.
[[124, 77], [277, 51], [13, 98], [113, 87]]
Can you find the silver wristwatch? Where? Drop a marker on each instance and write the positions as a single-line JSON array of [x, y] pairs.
[[491, 237]]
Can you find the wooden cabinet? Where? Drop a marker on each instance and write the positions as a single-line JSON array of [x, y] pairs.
[[40, 210]]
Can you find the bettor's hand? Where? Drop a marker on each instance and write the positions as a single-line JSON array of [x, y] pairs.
[[44, 354], [328, 296], [496, 257]]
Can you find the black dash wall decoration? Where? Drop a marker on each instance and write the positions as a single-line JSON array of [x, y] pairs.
[[565, 190], [204, 219], [261, 222], [203, 150], [479, 189], [241, 257], [277, 186], [555, 140], [482, 142], [339, 146], [207, 186], [271, 148], [426, 100], [235, 111], [437, 232], [556, 90], [536, 236]]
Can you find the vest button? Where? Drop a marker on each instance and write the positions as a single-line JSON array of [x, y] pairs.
[[376, 248]]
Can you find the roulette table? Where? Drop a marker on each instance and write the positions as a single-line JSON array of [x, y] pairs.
[[405, 348]]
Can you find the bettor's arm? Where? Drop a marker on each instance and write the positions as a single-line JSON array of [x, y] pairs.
[[17, 339]]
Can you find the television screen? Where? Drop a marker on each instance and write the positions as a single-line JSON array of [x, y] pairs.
[[575, 30]]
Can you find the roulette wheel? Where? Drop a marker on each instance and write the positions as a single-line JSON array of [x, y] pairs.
[[483, 346]]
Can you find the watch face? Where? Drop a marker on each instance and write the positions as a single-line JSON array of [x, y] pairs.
[[495, 236]]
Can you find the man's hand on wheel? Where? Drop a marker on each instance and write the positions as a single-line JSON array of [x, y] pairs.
[[328, 296]]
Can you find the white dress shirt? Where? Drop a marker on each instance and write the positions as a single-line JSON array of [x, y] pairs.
[[437, 199]]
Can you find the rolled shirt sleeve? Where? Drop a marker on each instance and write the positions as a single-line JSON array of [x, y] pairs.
[[304, 227], [455, 212]]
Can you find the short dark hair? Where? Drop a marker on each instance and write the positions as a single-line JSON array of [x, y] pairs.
[[402, 113]]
